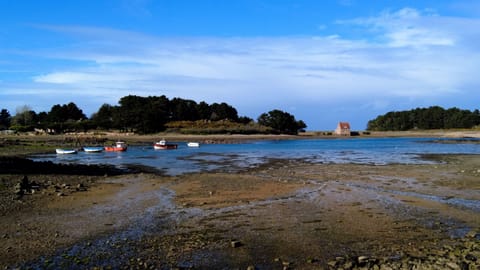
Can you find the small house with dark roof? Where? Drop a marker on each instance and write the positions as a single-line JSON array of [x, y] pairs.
[[343, 129]]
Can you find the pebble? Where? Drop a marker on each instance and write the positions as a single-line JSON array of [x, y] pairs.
[[235, 244]]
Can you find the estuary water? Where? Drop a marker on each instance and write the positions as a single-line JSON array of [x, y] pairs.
[[232, 157]]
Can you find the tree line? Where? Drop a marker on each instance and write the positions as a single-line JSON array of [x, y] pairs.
[[434, 117], [142, 115]]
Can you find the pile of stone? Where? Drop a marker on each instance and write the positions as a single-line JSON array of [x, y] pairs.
[[25, 187], [464, 255]]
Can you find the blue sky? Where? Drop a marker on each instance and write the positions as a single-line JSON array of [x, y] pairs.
[[322, 61]]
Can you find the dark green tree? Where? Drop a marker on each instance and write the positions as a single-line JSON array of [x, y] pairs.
[[65, 117], [204, 110], [131, 112], [144, 115], [66, 112], [223, 111], [434, 117], [184, 110], [244, 120], [156, 114], [5, 119], [103, 118], [281, 122]]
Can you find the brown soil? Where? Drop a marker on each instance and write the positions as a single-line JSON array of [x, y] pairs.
[[287, 214]]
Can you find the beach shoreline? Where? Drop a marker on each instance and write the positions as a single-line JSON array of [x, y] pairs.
[[284, 213]]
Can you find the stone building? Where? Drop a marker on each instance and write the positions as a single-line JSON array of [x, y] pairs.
[[343, 129]]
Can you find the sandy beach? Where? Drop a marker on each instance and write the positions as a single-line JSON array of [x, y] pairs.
[[280, 215]]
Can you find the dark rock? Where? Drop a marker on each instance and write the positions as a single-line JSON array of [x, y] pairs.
[[470, 257], [235, 243]]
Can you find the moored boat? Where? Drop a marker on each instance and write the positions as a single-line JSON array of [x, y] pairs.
[[193, 144], [93, 149], [163, 145], [118, 147], [65, 151]]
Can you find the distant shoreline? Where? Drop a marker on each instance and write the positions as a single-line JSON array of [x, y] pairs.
[[30, 143]]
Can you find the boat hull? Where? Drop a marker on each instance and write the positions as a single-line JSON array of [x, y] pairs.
[[165, 146], [65, 151], [193, 144], [115, 149], [93, 149]]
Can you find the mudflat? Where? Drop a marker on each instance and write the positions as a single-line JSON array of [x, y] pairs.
[[284, 214]]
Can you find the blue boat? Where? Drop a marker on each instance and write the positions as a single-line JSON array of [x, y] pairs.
[[93, 149]]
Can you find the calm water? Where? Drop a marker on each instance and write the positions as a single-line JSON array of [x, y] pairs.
[[231, 157]]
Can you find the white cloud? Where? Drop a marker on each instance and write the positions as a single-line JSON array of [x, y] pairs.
[[410, 55], [409, 27]]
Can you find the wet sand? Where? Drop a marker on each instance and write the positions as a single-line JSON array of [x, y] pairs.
[[284, 214]]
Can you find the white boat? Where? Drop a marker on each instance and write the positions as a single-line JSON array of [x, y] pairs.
[[93, 149], [163, 145], [65, 151], [193, 144]]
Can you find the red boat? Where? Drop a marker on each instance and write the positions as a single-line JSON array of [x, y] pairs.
[[118, 147], [163, 145]]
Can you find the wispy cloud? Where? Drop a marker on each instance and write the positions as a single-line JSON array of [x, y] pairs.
[[137, 8], [406, 55]]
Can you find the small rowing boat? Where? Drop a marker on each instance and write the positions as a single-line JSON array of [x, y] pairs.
[[65, 151], [93, 149], [193, 144]]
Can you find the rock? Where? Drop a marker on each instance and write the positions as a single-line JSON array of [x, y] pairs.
[[362, 260], [452, 265], [348, 265], [81, 187], [18, 189], [235, 243], [471, 234], [286, 263], [332, 263], [470, 257]]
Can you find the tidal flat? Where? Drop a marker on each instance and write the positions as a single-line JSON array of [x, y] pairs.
[[282, 214]]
